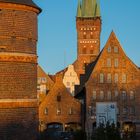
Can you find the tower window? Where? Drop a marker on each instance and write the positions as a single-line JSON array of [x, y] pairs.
[[84, 51], [91, 51]]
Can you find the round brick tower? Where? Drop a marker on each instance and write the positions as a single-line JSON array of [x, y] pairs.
[[18, 70]]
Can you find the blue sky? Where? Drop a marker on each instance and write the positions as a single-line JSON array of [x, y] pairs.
[[57, 44]]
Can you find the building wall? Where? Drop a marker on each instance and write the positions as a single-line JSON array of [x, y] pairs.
[[105, 88], [88, 41], [18, 72], [59, 98], [70, 79]]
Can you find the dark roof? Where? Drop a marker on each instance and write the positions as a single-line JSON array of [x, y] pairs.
[[22, 2]]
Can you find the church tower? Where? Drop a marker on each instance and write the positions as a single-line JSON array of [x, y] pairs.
[[18, 70], [88, 24]]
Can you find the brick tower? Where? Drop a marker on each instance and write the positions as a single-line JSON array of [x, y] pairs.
[[88, 23], [18, 70]]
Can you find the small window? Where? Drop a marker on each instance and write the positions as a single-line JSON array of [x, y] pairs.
[[116, 78], [125, 110], [124, 95], [101, 78], [39, 80], [116, 49], [58, 111], [124, 77], [101, 95], [68, 84], [58, 98], [109, 96], [108, 62], [116, 63], [94, 95], [109, 78], [71, 111], [132, 95], [43, 80], [109, 49], [116, 94], [132, 110], [46, 111], [84, 51], [91, 51], [84, 36]]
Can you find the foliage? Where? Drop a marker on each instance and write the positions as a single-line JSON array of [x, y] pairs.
[[106, 132]]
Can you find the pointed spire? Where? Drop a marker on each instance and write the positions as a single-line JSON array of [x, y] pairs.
[[97, 13], [79, 12], [88, 8]]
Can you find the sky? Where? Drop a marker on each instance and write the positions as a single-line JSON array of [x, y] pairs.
[[57, 42]]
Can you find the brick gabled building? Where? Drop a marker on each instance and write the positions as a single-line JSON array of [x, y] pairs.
[[59, 108], [113, 77]]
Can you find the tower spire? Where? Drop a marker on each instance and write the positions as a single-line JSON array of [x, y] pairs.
[[79, 13], [97, 12]]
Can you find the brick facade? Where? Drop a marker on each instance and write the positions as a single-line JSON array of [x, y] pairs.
[[18, 71], [61, 107]]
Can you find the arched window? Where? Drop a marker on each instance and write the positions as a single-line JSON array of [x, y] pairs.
[[101, 95]]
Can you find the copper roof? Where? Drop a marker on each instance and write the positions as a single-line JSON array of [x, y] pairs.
[[22, 2]]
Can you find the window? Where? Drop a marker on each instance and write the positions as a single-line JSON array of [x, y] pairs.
[[118, 111], [109, 96], [116, 78], [101, 78], [43, 80], [124, 78], [71, 111], [43, 88], [108, 62], [68, 84], [39, 80], [109, 49], [116, 63], [101, 95], [116, 94], [84, 51], [125, 110], [124, 96], [91, 51], [108, 78], [58, 111], [84, 36], [46, 111], [58, 98], [73, 83], [132, 95], [91, 35], [132, 110], [116, 49], [38, 87], [94, 95]]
